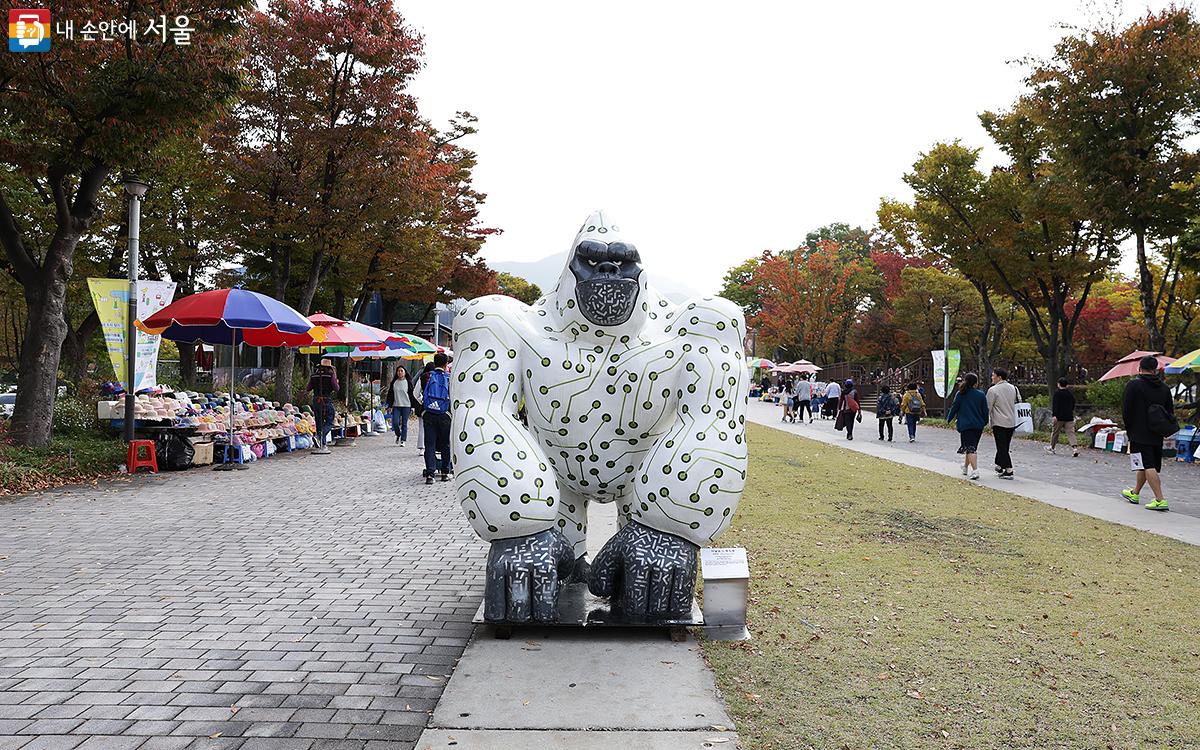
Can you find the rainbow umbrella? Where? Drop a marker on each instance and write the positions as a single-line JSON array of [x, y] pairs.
[[761, 364], [1189, 361], [232, 317]]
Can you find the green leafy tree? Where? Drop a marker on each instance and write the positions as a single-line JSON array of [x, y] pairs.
[[1118, 105], [518, 288], [72, 119], [738, 286]]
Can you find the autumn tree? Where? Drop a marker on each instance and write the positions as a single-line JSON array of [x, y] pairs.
[[73, 118], [308, 144], [809, 299], [1118, 105]]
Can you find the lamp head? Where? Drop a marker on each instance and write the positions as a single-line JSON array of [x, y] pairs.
[[135, 187]]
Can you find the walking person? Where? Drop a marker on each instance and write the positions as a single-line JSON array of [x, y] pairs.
[[912, 404], [833, 399], [1062, 408], [398, 401], [849, 410], [804, 398], [434, 396], [324, 387], [887, 407], [970, 414], [1148, 412], [1002, 400], [413, 391], [789, 401]]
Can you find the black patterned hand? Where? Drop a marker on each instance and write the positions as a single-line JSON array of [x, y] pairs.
[[647, 573], [523, 575]]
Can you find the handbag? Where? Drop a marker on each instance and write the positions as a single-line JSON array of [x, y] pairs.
[[839, 424]]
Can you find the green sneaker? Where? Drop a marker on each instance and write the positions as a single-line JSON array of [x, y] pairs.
[[1157, 505], [1131, 496]]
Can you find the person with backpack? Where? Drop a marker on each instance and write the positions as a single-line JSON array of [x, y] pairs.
[[912, 404], [849, 410], [1002, 400], [971, 410], [887, 407], [324, 387], [1062, 407], [434, 397], [1149, 415]]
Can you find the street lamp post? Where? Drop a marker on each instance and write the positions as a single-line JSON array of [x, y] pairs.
[[946, 356], [135, 189]]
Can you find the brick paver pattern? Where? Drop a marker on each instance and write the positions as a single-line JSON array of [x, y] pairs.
[[308, 602]]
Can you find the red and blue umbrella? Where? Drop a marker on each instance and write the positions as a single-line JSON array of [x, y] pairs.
[[231, 317]]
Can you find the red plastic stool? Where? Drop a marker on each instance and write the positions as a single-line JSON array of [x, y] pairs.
[[141, 455]]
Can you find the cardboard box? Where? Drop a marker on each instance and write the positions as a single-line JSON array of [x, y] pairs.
[[204, 453]]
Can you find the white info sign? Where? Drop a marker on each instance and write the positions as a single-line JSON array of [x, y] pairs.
[[723, 563]]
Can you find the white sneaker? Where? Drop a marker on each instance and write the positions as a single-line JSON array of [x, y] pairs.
[[401, 443], [964, 470], [975, 475], [1049, 450]]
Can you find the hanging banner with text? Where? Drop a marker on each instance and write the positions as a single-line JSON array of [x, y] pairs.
[[111, 297], [939, 369]]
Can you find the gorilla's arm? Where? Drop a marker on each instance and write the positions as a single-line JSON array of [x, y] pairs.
[[503, 479], [689, 484]]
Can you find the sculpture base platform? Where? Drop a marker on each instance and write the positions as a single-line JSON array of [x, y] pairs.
[[580, 608]]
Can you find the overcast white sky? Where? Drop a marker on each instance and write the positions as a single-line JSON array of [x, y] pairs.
[[714, 131]]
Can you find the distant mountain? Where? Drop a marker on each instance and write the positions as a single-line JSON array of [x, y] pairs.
[[545, 273]]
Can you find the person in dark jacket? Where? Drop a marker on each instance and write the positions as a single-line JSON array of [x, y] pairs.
[[971, 411], [1062, 408], [849, 408], [1145, 394], [324, 387], [887, 408]]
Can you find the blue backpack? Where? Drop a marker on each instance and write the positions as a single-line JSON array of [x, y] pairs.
[[435, 397]]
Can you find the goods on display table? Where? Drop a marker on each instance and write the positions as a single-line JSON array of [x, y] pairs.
[[260, 428]]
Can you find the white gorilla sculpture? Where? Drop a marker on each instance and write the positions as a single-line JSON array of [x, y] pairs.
[[629, 399]]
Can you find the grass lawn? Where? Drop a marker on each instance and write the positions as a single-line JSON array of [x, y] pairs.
[[66, 460], [895, 608]]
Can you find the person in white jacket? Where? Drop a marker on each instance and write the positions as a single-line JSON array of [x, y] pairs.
[[1002, 400]]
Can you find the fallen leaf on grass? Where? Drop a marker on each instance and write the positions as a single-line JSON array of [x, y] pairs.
[[915, 694]]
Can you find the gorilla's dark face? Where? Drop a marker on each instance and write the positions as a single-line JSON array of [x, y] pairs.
[[606, 280]]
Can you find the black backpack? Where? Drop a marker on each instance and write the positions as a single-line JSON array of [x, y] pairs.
[[1161, 422]]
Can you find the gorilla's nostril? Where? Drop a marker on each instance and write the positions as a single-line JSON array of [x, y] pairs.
[[608, 266]]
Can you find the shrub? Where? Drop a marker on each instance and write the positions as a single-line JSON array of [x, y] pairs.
[[73, 416], [1106, 393], [1039, 401]]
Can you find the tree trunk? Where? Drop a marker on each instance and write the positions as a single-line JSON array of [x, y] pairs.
[[45, 329], [283, 375], [1154, 335], [187, 364], [387, 314], [74, 348]]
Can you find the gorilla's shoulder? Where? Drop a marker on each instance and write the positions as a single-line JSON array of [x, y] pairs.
[[711, 316], [494, 304]]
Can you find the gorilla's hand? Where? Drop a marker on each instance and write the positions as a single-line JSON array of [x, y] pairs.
[[647, 573], [523, 575]]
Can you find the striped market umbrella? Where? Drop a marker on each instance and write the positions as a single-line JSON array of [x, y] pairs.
[[1188, 362], [232, 317], [760, 363]]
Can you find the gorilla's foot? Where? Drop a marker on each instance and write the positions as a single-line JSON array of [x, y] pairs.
[[648, 574], [523, 575], [582, 570]]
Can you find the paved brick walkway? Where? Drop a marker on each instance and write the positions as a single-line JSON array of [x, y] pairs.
[[309, 602]]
